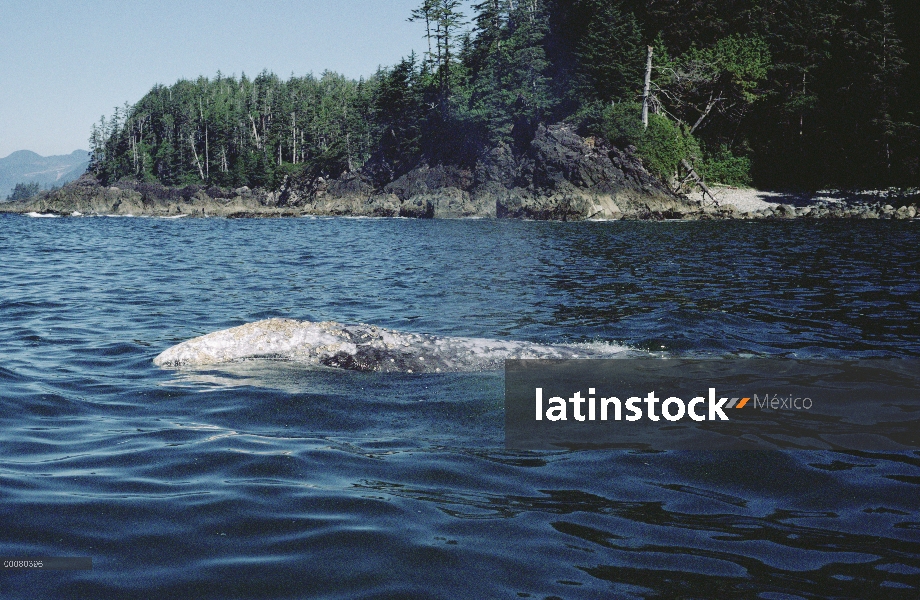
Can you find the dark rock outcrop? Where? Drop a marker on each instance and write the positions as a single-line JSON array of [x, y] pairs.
[[566, 177], [560, 176]]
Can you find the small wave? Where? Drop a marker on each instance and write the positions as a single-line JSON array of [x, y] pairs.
[[37, 215], [365, 348], [9, 375]]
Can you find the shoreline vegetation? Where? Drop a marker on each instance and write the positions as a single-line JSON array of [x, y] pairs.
[[546, 109]]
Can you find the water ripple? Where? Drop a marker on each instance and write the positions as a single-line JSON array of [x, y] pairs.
[[264, 479]]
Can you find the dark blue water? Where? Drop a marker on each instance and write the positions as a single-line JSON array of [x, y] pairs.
[[271, 480]]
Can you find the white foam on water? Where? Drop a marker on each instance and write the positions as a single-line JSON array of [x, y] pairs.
[[36, 215], [365, 348], [598, 349], [76, 213]]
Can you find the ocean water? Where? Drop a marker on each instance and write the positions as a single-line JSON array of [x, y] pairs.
[[267, 479]]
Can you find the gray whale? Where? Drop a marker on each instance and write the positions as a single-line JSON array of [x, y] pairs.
[[363, 348]]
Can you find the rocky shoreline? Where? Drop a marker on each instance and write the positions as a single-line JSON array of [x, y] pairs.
[[873, 204], [558, 176]]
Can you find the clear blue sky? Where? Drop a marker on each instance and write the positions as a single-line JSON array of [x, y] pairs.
[[64, 63]]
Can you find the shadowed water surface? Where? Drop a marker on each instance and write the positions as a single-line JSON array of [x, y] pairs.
[[265, 479]]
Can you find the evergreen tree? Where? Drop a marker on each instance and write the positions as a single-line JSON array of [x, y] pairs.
[[23, 191], [399, 114], [610, 54], [511, 89]]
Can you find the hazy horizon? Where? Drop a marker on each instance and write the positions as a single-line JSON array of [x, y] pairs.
[[66, 63], [74, 151]]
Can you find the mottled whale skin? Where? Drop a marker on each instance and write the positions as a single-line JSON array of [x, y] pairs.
[[362, 348]]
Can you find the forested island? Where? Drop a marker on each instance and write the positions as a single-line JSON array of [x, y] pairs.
[[539, 108]]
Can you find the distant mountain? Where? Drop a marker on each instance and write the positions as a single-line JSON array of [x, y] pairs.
[[24, 166]]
